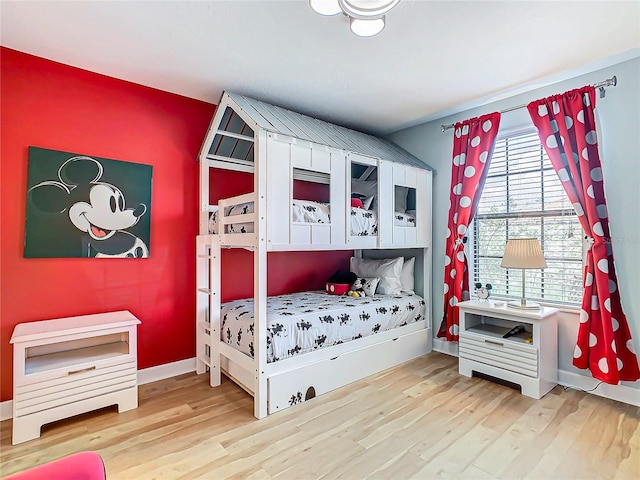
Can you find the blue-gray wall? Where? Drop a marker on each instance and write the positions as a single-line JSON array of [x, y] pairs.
[[619, 136]]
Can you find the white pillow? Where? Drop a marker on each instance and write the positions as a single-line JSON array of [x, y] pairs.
[[367, 203], [368, 188], [388, 269], [406, 277], [401, 198]]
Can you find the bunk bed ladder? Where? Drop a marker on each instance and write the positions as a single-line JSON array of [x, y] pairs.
[[208, 307]]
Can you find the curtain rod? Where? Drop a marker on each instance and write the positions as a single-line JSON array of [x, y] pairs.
[[610, 82]]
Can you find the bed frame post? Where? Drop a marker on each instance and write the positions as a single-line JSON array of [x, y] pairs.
[[202, 314], [214, 310], [260, 393], [428, 256]]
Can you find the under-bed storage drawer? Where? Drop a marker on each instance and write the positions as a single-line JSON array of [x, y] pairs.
[[499, 353], [303, 383]]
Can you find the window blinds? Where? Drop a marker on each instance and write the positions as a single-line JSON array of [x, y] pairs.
[[523, 197]]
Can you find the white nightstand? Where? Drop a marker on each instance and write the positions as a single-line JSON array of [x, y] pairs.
[[67, 366], [529, 359]]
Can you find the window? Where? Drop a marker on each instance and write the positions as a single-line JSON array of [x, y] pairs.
[[523, 197]]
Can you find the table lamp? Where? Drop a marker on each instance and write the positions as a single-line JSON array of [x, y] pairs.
[[523, 253]]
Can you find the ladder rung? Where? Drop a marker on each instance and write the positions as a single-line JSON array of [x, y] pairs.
[[204, 359]]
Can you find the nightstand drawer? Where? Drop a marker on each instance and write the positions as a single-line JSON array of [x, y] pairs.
[[500, 353], [65, 381], [80, 390]]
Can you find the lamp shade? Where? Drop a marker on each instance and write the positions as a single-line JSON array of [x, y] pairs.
[[523, 253]]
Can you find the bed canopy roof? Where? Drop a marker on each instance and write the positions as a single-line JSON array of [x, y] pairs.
[[237, 119]]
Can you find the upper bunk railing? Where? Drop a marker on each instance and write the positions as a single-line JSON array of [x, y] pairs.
[[250, 220]]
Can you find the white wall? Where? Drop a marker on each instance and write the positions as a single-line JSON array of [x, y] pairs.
[[619, 136]]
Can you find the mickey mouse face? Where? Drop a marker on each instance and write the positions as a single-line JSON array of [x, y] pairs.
[[105, 214]]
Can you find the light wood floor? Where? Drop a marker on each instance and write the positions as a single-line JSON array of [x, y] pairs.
[[420, 420]]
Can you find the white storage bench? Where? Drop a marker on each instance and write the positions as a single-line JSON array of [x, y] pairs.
[[67, 366]]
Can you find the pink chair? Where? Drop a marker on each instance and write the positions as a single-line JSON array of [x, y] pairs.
[[79, 466]]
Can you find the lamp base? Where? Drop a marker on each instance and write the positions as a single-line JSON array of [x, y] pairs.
[[524, 305]]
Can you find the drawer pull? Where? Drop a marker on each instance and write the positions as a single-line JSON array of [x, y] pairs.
[[500, 344], [82, 370]]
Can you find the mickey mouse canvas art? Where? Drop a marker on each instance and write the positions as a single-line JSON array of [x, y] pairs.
[[81, 206]]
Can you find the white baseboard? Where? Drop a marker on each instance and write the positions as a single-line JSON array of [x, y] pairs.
[[168, 370], [448, 348], [6, 410], [146, 375], [621, 393]]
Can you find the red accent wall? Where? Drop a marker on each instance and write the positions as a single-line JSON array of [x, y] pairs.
[[55, 106], [315, 192]]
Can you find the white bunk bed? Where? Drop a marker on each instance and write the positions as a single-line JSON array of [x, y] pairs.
[[280, 147]]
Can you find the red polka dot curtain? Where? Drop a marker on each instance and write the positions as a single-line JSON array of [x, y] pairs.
[[567, 129], [473, 143]]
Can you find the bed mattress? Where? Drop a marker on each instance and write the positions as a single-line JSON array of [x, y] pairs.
[[303, 322]]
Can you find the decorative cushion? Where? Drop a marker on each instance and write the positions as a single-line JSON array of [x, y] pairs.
[[78, 466], [387, 269], [406, 277]]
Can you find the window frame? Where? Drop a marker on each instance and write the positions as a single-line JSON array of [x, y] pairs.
[[472, 247]]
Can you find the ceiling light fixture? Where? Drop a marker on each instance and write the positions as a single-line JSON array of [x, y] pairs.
[[366, 16]]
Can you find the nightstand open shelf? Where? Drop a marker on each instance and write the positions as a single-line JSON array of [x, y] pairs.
[[73, 358], [528, 358], [498, 331]]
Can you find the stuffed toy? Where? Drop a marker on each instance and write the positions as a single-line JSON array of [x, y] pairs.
[[364, 287], [357, 288], [340, 282], [483, 292]]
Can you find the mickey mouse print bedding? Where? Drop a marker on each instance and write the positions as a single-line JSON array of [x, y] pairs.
[[302, 322]]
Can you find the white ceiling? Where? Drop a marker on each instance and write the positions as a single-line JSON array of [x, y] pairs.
[[433, 58]]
